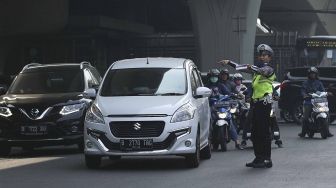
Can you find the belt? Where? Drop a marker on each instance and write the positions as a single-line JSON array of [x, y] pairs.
[[266, 99]]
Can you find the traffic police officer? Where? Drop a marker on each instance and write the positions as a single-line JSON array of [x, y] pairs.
[[261, 109]]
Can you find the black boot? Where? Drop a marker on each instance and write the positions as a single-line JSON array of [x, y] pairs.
[[264, 164], [253, 163]]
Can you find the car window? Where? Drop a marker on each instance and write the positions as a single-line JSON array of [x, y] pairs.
[[144, 82], [46, 81], [92, 81], [193, 83], [197, 78]]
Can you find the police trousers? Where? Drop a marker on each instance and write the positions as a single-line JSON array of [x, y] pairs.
[[262, 130]]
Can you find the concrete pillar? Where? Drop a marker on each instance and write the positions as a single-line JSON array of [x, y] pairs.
[[225, 29]]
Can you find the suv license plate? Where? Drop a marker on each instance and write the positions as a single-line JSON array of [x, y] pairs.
[[136, 144], [34, 130]]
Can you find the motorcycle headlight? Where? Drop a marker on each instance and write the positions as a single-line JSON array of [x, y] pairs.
[[5, 112], [69, 109], [184, 113], [93, 115], [222, 115], [233, 110]]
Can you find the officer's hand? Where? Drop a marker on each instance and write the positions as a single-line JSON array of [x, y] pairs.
[[224, 62], [249, 67]]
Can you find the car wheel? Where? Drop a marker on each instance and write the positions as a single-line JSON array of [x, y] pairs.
[[298, 113], [5, 150], [206, 152], [92, 161], [81, 147], [286, 116], [193, 160]]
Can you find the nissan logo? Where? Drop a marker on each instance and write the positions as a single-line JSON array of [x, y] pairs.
[[34, 112], [137, 126]]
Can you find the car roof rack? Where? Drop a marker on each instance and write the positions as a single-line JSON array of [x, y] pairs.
[[84, 63], [30, 65]]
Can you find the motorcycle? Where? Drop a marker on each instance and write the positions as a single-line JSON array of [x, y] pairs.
[[222, 107], [318, 122]]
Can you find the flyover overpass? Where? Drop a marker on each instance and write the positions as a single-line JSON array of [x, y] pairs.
[[102, 31]]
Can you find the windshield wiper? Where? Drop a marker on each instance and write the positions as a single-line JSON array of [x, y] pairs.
[[167, 94]]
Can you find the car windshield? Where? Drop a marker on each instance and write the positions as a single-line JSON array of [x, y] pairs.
[[144, 82], [48, 80]]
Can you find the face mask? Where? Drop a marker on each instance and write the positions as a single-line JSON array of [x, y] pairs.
[[213, 79]]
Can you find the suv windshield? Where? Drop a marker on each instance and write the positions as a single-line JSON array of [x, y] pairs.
[[48, 80], [144, 82]]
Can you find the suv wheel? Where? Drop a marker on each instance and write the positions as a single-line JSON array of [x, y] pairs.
[[193, 160], [298, 113], [286, 116], [92, 161], [5, 150]]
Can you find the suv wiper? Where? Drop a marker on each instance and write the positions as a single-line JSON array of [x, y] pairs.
[[167, 94]]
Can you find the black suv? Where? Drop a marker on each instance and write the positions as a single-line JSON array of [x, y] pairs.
[[46, 105], [291, 100]]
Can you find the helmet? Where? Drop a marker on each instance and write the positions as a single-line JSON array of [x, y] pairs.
[[265, 48], [238, 76], [312, 70], [224, 71], [213, 75]]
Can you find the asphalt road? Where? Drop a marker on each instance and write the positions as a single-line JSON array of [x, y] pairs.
[[301, 163]]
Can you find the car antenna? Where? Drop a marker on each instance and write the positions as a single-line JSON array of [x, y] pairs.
[[147, 61]]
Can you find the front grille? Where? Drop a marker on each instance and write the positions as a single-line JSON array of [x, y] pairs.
[[136, 129], [166, 144]]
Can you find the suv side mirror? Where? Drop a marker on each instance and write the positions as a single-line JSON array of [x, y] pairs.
[[202, 92], [3, 90], [90, 93]]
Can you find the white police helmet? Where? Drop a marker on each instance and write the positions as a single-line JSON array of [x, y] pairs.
[[265, 47]]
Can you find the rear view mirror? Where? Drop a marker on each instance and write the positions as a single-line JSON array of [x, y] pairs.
[[203, 92], [3, 90], [90, 93]]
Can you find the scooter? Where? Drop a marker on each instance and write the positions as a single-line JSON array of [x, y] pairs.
[[318, 121], [221, 108]]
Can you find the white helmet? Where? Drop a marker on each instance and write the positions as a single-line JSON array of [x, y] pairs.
[[265, 47], [237, 76]]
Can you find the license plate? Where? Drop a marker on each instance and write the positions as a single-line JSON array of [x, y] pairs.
[[136, 144], [34, 130]]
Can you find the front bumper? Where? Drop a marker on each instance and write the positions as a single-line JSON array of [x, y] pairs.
[[99, 139]]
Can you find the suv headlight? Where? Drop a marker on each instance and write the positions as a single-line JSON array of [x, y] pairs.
[[184, 113], [93, 115], [5, 112], [69, 109]]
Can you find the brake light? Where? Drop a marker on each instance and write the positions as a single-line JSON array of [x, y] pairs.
[[283, 85]]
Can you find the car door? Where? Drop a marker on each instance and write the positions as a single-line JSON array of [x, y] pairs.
[[202, 107]]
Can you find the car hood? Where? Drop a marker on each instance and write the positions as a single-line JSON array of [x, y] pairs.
[[140, 105], [39, 99]]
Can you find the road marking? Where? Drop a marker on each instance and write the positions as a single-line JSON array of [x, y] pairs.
[[12, 163]]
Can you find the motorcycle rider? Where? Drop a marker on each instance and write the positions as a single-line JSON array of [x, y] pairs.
[[227, 87], [262, 90], [237, 79], [311, 85], [242, 89]]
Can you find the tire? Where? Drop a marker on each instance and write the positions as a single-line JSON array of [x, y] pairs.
[[297, 113], [222, 138], [286, 116], [324, 127], [92, 161], [80, 147], [193, 160], [311, 134], [5, 150], [206, 152]]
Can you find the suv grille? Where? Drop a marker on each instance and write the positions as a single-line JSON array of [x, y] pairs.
[[136, 129]]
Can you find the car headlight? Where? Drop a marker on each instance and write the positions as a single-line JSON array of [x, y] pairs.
[[69, 109], [94, 115], [184, 113], [5, 112], [222, 115]]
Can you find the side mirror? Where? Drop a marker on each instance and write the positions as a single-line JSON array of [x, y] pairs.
[[3, 90], [90, 93], [202, 92]]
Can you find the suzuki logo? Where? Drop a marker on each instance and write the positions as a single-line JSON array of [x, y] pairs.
[[34, 112], [137, 126]]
